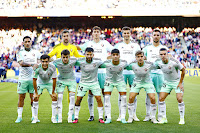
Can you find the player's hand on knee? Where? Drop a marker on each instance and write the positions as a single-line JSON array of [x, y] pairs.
[[181, 87], [54, 95], [35, 97]]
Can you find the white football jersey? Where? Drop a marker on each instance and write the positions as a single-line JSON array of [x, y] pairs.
[[29, 57], [101, 50], [127, 52], [152, 54]]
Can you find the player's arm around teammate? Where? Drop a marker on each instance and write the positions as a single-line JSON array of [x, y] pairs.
[[46, 74], [170, 68], [89, 67]]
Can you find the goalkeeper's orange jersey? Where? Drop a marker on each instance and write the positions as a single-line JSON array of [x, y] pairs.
[[60, 47]]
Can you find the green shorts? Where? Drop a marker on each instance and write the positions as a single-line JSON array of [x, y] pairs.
[[169, 86], [101, 79], [25, 86], [71, 85], [41, 87], [136, 87], [157, 80], [129, 78], [84, 87], [121, 86]]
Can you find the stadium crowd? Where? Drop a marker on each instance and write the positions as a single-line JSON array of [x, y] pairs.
[[95, 4], [184, 46]]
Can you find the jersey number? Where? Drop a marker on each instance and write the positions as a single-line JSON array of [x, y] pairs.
[[106, 84], [19, 84], [60, 84], [164, 85], [80, 88]]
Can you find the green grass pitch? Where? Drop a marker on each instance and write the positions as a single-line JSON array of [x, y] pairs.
[[8, 113]]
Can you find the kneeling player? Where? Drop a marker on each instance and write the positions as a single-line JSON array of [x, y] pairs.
[[114, 78], [142, 79], [89, 67], [46, 75], [172, 80], [66, 77]]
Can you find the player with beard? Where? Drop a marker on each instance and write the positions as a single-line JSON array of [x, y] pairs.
[[65, 45], [101, 49]]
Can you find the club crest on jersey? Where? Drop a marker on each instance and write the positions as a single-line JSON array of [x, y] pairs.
[[94, 65], [132, 46], [120, 68], [150, 50], [70, 66], [135, 69], [169, 67], [25, 55], [71, 50], [33, 54], [145, 69], [102, 45]]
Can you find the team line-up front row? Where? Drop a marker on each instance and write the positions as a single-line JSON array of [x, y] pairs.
[[46, 75]]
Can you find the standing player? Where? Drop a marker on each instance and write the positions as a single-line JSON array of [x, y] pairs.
[[152, 54], [46, 75], [26, 58], [142, 79], [89, 67], [66, 77], [65, 45], [171, 69], [101, 47], [114, 78], [127, 52]]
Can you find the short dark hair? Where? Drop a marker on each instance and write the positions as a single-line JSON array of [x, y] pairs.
[[89, 49], [26, 37], [156, 30], [64, 31], [96, 28], [163, 49], [45, 56], [115, 51], [65, 52], [126, 28], [139, 52]]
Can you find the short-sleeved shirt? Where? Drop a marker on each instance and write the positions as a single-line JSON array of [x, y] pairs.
[[101, 50], [170, 70], [89, 70], [127, 52], [152, 54], [114, 72], [45, 76], [142, 73], [66, 72], [60, 47], [29, 57]]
